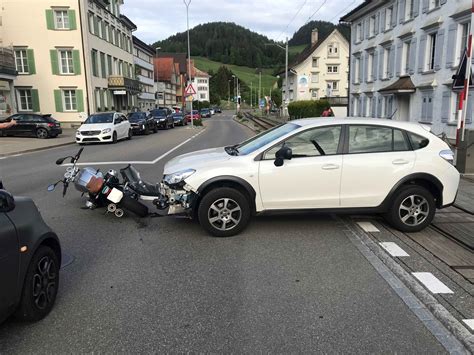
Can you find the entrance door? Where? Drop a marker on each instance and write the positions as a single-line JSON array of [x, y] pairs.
[[403, 108]]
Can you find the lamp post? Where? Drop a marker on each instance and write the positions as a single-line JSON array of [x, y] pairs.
[[285, 48], [187, 3], [235, 92], [228, 90]]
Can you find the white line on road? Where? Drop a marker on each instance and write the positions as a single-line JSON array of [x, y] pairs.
[[368, 227], [393, 249], [431, 282], [469, 322], [151, 162]]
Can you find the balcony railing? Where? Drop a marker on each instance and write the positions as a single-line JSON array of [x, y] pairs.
[[7, 61], [119, 82]]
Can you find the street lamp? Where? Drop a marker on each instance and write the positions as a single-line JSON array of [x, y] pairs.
[[187, 3], [285, 110], [228, 89]]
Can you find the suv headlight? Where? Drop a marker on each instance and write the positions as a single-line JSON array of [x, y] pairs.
[[179, 176], [78, 133], [107, 130]]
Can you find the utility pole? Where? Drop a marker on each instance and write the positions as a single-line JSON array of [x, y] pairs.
[[259, 87], [251, 86], [228, 89], [190, 82], [286, 98]]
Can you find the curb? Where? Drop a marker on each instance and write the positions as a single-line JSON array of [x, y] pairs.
[[34, 150]]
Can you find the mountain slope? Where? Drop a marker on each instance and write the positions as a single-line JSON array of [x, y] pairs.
[[303, 35], [227, 43]]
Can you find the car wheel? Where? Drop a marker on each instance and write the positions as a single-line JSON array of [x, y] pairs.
[[130, 134], [155, 129], [41, 133], [147, 131], [40, 286], [114, 138], [412, 210], [224, 212]]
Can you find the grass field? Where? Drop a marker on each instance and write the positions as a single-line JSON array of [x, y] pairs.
[[296, 49], [246, 74]]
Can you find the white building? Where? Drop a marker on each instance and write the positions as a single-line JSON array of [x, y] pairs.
[[403, 56], [143, 56], [321, 70], [201, 85]]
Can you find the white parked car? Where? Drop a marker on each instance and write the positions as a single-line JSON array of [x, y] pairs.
[[104, 127], [398, 169]]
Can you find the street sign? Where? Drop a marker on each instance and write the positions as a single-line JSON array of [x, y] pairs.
[[120, 92], [190, 90]]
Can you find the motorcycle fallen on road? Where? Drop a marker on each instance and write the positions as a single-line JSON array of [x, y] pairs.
[[101, 190]]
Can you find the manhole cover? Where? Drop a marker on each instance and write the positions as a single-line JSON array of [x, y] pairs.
[[66, 260]]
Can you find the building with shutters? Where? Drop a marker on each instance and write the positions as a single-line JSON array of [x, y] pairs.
[[321, 70], [143, 56], [403, 56], [200, 84], [73, 58]]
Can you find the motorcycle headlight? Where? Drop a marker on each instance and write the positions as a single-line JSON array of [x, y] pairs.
[[179, 176], [107, 130]]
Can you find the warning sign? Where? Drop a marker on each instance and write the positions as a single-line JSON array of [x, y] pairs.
[[190, 90]]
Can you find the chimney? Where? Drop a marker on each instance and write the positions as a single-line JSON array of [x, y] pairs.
[[314, 36]]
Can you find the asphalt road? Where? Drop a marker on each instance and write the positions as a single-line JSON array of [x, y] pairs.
[[287, 284]]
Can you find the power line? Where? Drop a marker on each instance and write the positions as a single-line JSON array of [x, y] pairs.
[[314, 13], [291, 21], [352, 3]]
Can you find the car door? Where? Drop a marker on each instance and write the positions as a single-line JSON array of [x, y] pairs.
[[311, 179], [32, 122], [118, 126], [125, 126], [376, 158], [20, 127], [9, 264]]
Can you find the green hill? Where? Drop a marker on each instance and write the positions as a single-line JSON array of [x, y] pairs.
[[303, 35]]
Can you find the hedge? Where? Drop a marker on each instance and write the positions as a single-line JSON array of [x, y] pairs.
[[307, 108]]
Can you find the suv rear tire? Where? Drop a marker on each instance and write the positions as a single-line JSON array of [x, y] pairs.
[[224, 212], [412, 210]]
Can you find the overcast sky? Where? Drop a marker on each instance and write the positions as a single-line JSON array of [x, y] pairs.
[[159, 19]]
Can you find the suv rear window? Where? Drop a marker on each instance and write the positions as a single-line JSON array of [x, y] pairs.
[[376, 139], [417, 142]]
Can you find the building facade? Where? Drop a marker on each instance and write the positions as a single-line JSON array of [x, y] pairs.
[[72, 58], [200, 84], [8, 74], [404, 54], [143, 56], [319, 71], [166, 81]]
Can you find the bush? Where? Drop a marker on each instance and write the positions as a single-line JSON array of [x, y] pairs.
[[240, 115], [308, 108], [197, 122]]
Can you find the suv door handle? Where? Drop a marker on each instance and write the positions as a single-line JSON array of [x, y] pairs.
[[330, 167], [400, 162]]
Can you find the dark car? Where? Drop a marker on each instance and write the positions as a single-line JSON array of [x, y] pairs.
[[205, 113], [30, 124], [179, 119], [142, 123], [218, 109], [30, 258], [162, 117]]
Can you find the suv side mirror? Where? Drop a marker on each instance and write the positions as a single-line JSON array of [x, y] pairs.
[[284, 153], [7, 202]]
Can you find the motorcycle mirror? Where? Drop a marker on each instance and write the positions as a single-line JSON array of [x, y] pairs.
[[60, 161], [51, 187]]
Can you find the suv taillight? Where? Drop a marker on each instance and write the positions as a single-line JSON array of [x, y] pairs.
[[51, 124], [447, 155]]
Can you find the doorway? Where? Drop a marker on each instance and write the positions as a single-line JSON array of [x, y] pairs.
[[403, 113]]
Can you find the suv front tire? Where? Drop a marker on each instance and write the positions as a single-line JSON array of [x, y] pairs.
[[224, 212]]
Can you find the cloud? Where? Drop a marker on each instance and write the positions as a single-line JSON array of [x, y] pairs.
[[159, 19]]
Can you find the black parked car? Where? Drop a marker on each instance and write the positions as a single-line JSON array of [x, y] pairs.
[[217, 109], [179, 119], [205, 113], [163, 117], [142, 123], [29, 124], [30, 258]]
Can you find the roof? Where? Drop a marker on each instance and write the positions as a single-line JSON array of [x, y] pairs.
[[139, 43], [349, 17], [402, 85], [127, 22], [198, 73], [164, 69], [180, 58]]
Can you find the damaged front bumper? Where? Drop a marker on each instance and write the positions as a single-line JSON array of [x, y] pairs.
[[176, 199]]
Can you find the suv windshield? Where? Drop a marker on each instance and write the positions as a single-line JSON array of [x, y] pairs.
[[100, 118], [159, 112], [136, 116], [262, 139]]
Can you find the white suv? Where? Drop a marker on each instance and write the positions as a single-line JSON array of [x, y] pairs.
[[398, 169], [104, 127]]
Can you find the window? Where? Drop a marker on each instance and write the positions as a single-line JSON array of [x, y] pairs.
[[333, 85], [114, 36], [370, 139], [315, 62], [61, 19], [372, 26], [357, 70], [399, 142], [359, 32], [368, 107], [99, 27], [94, 62], [202, 96], [21, 61], [386, 63], [107, 32], [91, 22], [311, 143], [66, 62], [333, 50], [417, 142], [427, 106], [333, 69], [405, 69], [25, 100], [355, 106], [314, 93], [388, 106], [463, 35], [370, 67], [109, 65], [409, 7], [434, 4], [388, 18], [69, 100], [430, 52], [314, 78]]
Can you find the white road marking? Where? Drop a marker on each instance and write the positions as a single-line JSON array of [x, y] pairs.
[[393, 249], [469, 322], [140, 162], [368, 227], [431, 282]]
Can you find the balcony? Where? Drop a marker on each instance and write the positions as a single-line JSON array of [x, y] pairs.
[[7, 62], [144, 80], [146, 96], [143, 63], [118, 82]]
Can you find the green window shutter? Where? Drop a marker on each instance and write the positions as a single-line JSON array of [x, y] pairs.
[[54, 61], [31, 61], [72, 19], [50, 19], [35, 100], [76, 58], [96, 26], [58, 100], [80, 100]]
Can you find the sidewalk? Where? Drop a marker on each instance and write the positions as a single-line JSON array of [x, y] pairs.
[[18, 145]]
